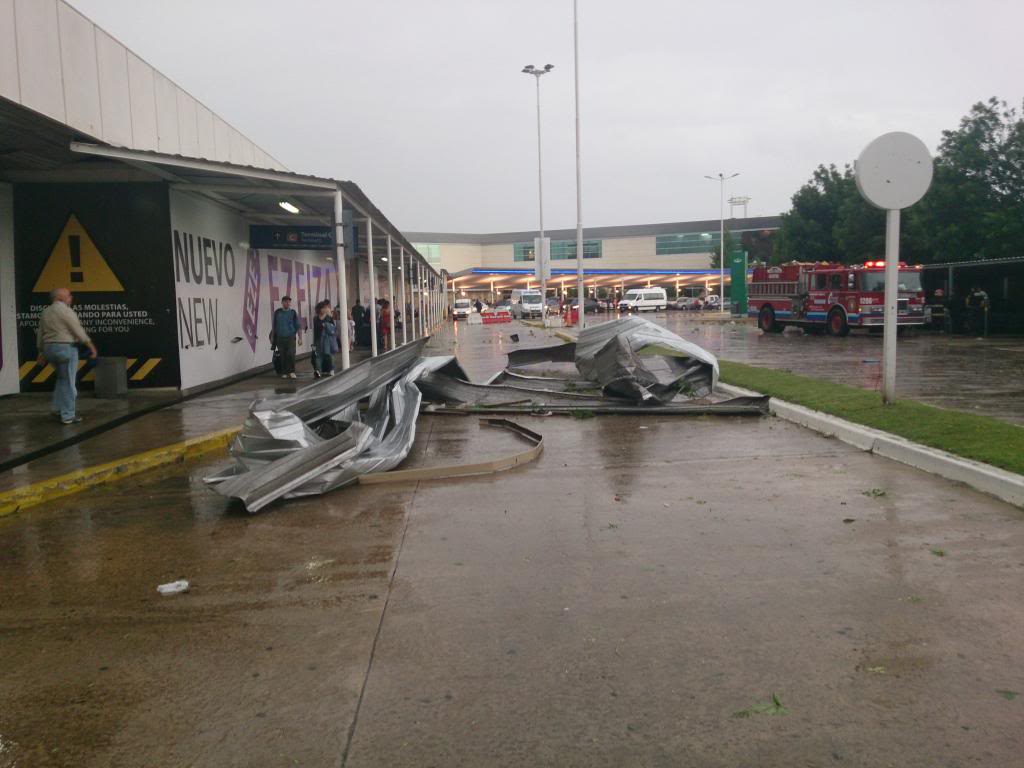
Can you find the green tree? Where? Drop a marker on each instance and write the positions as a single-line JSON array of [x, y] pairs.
[[808, 229], [975, 207]]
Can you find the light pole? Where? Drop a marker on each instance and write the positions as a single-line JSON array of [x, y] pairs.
[[721, 178], [529, 69], [579, 178]]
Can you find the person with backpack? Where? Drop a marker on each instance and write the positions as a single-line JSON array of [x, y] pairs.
[[285, 329]]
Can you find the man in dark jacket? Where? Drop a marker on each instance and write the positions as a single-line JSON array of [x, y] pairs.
[[285, 328]]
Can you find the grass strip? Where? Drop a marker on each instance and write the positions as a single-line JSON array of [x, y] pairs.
[[967, 435]]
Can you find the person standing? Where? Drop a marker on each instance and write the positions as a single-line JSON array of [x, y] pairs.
[[385, 324], [56, 337], [285, 329], [326, 346], [318, 327]]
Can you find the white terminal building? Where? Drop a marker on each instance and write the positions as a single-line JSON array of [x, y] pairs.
[[675, 255]]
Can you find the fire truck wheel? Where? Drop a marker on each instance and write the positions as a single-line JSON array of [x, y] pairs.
[[837, 325], [766, 321]]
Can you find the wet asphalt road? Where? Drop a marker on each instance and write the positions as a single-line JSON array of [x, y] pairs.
[[617, 603]]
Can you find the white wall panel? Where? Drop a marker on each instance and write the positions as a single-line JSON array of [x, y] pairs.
[[250, 152], [39, 73], [142, 91], [167, 138], [222, 137], [237, 146], [8, 316], [188, 128], [8, 53], [115, 95], [78, 68], [207, 143]]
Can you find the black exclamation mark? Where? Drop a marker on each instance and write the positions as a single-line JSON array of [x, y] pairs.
[[75, 244]]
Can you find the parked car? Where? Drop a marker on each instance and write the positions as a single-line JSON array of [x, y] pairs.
[[688, 303], [589, 305]]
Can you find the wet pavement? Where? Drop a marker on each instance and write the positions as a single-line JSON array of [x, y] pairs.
[[984, 376], [629, 599], [26, 419]]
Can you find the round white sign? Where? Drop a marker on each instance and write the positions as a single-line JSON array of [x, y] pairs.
[[894, 171]]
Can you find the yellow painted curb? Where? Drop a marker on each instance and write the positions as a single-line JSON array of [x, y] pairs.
[[565, 336], [82, 479]]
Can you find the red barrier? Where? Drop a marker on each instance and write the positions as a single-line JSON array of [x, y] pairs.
[[490, 316]]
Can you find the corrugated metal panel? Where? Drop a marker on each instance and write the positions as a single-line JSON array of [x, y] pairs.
[[167, 139], [38, 54], [142, 92], [237, 147], [222, 138], [8, 53], [207, 142], [78, 69], [188, 128], [115, 95]]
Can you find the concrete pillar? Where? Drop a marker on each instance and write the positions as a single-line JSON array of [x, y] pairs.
[[391, 293], [373, 288], [401, 282], [339, 242]]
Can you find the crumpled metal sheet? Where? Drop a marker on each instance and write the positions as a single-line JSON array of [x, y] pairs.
[[316, 440], [635, 359]]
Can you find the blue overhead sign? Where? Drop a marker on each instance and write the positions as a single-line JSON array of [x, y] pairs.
[[291, 238]]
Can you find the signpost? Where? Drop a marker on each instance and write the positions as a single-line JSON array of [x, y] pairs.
[[738, 282], [893, 172]]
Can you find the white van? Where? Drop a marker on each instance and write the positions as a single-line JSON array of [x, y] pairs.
[[640, 299], [462, 310], [527, 304]]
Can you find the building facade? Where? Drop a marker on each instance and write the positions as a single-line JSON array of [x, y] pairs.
[[675, 255]]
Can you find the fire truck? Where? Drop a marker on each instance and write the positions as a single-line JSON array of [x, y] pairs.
[[832, 297]]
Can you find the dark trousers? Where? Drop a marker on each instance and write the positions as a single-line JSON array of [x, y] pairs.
[[287, 349]]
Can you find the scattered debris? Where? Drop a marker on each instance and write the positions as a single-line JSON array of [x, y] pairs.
[[849, 520], [939, 552], [514, 337], [173, 587], [773, 707], [876, 670], [874, 492], [1007, 694]]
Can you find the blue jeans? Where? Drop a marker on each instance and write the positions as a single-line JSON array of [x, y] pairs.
[[64, 359]]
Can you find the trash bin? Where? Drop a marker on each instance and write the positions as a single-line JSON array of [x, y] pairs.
[[111, 377]]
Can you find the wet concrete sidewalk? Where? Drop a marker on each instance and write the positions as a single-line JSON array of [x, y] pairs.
[[631, 599], [161, 418]]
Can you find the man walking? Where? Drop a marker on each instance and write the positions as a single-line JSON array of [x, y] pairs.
[[285, 329], [58, 332]]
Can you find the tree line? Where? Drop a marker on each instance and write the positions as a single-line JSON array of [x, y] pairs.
[[973, 210]]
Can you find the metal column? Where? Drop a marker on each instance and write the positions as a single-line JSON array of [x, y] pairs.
[[373, 289], [339, 242], [892, 272], [391, 295], [401, 280]]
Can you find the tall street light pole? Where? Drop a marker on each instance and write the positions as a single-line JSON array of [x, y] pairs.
[[529, 69], [580, 295], [721, 178]]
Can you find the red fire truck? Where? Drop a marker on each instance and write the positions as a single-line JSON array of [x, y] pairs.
[[831, 297]]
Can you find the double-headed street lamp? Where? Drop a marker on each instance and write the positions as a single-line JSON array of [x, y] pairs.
[[529, 69], [721, 178]]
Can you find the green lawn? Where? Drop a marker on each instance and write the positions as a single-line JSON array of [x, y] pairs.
[[965, 434]]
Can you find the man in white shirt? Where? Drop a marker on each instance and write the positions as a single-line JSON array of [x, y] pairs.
[[57, 337]]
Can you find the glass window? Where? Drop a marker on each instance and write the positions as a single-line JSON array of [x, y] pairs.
[[835, 282], [566, 249], [875, 281], [691, 242], [523, 252]]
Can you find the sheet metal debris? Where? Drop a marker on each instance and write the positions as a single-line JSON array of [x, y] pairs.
[[361, 424]]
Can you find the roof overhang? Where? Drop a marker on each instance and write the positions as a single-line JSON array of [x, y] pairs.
[[256, 193], [482, 278]]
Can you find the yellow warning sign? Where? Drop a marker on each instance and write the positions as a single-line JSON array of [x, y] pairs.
[[76, 263]]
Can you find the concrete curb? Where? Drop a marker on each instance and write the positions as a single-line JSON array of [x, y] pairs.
[[32, 495], [991, 480]]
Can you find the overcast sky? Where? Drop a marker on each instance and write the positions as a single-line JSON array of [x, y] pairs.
[[422, 103]]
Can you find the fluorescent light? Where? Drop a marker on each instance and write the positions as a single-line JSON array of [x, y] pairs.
[[384, 258], [288, 206]]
